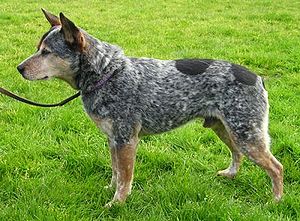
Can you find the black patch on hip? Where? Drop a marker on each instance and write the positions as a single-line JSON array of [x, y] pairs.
[[192, 66], [243, 75]]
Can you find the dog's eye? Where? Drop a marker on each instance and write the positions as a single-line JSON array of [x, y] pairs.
[[45, 51]]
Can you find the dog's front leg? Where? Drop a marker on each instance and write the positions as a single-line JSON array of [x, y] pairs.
[[114, 167], [124, 158]]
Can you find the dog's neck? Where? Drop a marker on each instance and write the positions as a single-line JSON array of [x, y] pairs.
[[99, 60]]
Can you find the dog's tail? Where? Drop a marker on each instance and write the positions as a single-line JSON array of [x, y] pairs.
[[261, 83], [264, 101]]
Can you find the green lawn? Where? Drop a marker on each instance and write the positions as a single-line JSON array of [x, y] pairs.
[[54, 163]]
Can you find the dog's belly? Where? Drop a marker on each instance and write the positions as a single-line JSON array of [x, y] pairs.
[[160, 120], [170, 110], [149, 128]]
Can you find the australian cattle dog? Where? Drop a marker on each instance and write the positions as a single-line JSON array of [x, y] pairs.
[[130, 97]]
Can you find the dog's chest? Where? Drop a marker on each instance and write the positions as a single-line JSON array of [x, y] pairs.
[[105, 124]]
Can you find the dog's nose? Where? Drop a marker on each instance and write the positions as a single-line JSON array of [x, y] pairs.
[[21, 69]]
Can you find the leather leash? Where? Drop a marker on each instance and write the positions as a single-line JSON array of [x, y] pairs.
[[24, 100], [98, 85]]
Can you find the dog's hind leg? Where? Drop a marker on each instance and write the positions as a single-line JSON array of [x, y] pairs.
[[260, 154], [252, 139], [217, 126]]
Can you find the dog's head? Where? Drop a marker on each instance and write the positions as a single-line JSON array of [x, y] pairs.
[[58, 52]]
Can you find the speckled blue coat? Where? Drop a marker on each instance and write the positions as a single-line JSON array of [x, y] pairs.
[[160, 95], [148, 96]]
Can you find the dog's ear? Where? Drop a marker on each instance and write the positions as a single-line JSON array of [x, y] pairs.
[[72, 34], [52, 19]]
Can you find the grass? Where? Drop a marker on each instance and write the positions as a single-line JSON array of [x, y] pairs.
[[54, 163]]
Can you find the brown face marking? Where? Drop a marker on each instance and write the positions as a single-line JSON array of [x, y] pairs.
[[44, 64]]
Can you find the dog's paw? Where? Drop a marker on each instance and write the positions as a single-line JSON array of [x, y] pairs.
[[227, 173], [109, 204], [109, 187], [113, 203], [277, 198]]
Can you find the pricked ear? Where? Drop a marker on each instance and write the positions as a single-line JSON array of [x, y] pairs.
[[52, 19], [72, 34]]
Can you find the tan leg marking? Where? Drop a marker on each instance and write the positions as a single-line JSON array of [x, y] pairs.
[[106, 126], [124, 162], [114, 169], [218, 127], [125, 167], [265, 159], [125, 159]]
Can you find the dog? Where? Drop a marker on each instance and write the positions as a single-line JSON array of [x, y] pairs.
[[130, 97]]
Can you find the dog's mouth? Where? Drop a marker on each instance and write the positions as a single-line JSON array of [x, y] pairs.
[[30, 78], [40, 79], [44, 78]]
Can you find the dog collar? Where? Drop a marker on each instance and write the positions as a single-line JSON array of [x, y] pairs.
[[99, 84]]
